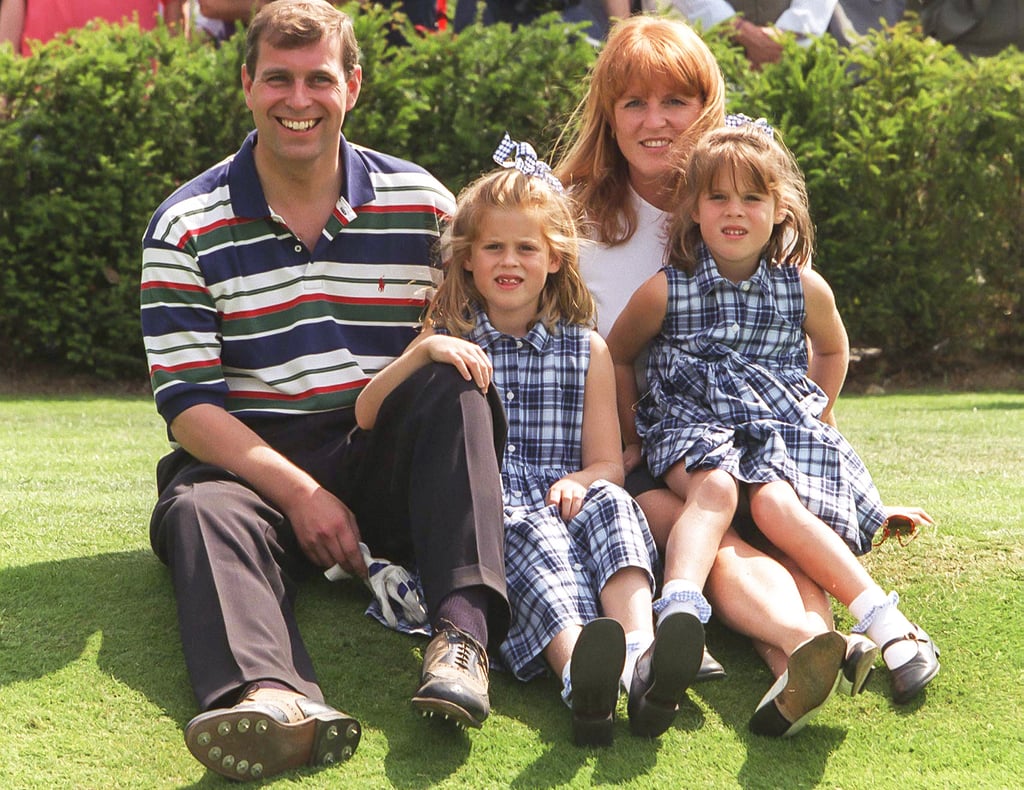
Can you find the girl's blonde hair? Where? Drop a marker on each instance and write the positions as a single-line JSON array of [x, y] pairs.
[[761, 159], [565, 295], [647, 50]]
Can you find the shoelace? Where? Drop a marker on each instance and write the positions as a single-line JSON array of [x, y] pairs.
[[462, 654]]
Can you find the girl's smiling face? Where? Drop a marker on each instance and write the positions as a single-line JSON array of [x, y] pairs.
[[510, 261], [736, 222]]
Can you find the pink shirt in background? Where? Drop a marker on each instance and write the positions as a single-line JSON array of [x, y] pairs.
[[45, 19]]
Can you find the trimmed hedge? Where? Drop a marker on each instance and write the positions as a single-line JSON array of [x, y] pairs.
[[913, 158]]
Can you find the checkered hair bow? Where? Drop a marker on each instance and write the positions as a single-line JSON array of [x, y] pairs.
[[740, 119], [391, 585], [523, 158]]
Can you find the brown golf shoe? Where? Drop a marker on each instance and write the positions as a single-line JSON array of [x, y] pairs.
[[454, 680], [271, 731]]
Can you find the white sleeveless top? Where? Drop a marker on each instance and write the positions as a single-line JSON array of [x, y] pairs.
[[614, 273]]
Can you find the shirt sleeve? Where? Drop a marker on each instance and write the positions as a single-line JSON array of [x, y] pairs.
[[707, 12], [180, 328], [807, 17]]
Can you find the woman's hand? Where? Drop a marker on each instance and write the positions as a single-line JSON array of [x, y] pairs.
[[915, 514]]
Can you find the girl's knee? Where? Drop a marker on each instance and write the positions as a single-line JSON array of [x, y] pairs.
[[772, 501], [715, 488]]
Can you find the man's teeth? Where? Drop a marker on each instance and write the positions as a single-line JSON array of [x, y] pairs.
[[297, 126]]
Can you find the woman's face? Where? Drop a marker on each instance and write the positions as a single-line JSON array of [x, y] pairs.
[[646, 121]]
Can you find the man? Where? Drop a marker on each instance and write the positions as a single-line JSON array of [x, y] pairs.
[[274, 285], [758, 24]]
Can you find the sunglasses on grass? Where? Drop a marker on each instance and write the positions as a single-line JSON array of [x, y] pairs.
[[903, 528]]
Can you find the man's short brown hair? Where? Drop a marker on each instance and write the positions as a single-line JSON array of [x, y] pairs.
[[293, 24]]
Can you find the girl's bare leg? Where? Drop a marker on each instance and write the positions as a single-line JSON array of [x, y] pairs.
[[709, 498], [752, 592], [822, 555]]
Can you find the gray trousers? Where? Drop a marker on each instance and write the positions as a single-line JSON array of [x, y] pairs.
[[424, 486]]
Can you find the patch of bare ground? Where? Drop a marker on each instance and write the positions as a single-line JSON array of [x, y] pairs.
[[871, 375], [51, 380]]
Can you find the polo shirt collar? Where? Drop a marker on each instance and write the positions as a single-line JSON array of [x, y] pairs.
[[248, 200]]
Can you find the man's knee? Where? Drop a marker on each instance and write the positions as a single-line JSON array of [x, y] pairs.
[[437, 394], [190, 514]]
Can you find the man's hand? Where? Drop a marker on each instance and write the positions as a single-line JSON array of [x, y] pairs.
[[324, 527], [760, 43], [327, 531]]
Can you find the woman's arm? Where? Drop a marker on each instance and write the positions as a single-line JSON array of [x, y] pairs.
[[602, 447], [468, 358], [635, 327], [830, 346]]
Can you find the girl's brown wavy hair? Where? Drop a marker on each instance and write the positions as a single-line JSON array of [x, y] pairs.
[[768, 166]]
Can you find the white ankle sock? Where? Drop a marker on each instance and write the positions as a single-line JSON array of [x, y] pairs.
[[636, 643], [880, 618], [567, 684], [680, 595]]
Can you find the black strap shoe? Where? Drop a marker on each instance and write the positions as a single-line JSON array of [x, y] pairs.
[[663, 673], [454, 680], [909, 679], [710, 668]]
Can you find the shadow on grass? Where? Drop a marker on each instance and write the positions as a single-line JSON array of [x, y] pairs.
[[50, 611]]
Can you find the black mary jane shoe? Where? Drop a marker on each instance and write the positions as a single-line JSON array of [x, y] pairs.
[[909, 679], [811, 677], [594, 672], [663, 673]]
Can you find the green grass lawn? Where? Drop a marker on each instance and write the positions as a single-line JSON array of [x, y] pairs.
[[93, 692]]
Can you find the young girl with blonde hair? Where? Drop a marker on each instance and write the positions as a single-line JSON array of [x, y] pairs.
[[513, 313]]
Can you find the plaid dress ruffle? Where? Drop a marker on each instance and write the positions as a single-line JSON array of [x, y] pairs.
[[728, 390], [554, 570]]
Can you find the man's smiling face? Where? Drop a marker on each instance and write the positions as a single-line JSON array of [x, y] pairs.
[[299, 98]]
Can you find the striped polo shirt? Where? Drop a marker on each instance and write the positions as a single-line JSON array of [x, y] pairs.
[[238, 313]]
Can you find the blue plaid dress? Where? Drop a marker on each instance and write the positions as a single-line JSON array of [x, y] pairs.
[[728, 390], [555, 570]]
